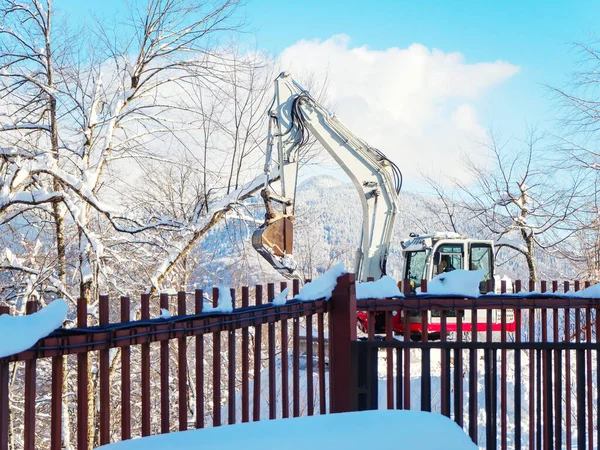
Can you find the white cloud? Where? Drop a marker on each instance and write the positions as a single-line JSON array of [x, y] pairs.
[[417, 105], [465, 119]]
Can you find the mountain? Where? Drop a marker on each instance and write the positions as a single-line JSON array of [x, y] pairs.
[[327, 231]]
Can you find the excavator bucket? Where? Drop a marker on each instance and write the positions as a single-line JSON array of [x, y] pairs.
[[274, 241]]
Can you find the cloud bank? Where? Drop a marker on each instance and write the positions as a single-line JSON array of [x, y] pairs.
[[417, 105]]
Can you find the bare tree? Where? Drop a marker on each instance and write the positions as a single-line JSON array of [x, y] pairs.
[[449, 219], [580, 118], [521, 199], [74, 121]]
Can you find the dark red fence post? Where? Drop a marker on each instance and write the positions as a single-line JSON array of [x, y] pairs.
[[310, 407], [216, 368], [125, 376], [245, 362], [82, 381], [199, 305], [342, 320], [30, 381], [56, 404], [164, 375], [285, 397], [271, 350], [256, 391], [145, 369], [321, 353], [104, 376], [296, 357], [182, 367], [4, 395], [231, 381]]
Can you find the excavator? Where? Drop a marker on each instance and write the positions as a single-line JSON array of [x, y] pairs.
[[294, 116]]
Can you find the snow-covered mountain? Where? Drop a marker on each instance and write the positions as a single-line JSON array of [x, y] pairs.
[[327, 231]]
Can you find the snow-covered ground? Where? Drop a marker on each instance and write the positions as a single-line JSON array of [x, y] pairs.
[[357, 430]]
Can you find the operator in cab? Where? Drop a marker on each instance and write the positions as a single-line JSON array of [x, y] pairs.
[[445, 265]]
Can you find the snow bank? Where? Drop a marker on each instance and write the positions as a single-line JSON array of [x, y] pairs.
[[385, 287], [281, 298], [591, 292], [19, 333], [457, 282], [225, 304], [350, 431], [323, 286]]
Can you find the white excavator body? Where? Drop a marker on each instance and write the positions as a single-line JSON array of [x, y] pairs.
[[294, 115]]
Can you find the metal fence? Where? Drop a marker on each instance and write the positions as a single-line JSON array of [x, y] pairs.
[[515, 371], [539, 380], [232, 355]]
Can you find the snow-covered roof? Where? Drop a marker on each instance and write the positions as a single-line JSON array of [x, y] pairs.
[[439, 235]]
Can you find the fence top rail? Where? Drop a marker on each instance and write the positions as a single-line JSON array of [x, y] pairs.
[[67, 341], [488, 301]]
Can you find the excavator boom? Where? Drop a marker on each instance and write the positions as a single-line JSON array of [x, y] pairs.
[[293, 117]]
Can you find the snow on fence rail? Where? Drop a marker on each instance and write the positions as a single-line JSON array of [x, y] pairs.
[[204, 369]]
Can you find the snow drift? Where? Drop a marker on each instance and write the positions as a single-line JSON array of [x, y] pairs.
[[418, 429], [323, 286], [18, 333], [385, 287], [458, 282]]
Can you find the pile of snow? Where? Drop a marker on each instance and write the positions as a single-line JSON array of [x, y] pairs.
[[323, 286], [281, 298], [350, 431], [591, 292], [18, 333], [457, 282], [385, 287], [225, 304], [169, 291], [289, 262]]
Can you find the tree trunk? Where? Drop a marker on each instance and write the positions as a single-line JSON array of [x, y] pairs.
[[61, 264], [529, 257], [86, 291]]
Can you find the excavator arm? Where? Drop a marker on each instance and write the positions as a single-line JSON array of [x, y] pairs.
[[293, 116]]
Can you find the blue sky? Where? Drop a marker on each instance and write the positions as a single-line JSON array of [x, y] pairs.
[[535, 36]]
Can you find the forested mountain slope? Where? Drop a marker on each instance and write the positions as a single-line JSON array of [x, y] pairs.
[[327, 231]]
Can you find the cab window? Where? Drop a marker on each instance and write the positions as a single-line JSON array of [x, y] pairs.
[[481, 259], [415, 267], [451, 257]]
